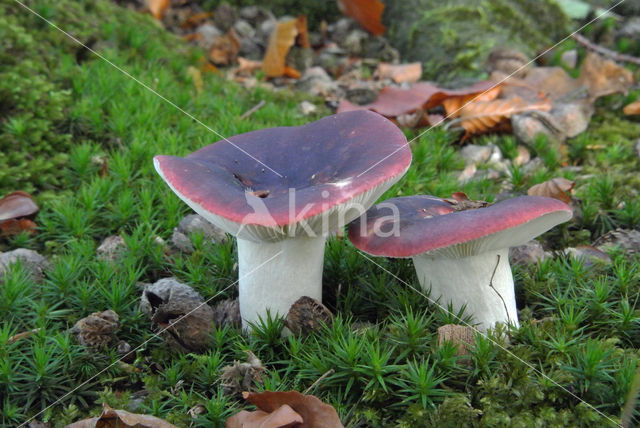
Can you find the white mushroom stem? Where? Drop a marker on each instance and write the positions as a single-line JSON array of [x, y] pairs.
[[273, 275], [489, 297]]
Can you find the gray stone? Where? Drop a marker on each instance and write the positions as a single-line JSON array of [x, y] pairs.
[[179, 314], [332, 59], [529, 125], [361, 95], [343, 26], [195, 223], [630, 29], [299, 58], [573, 118], [224, 16], [638, 148], [209, 33], [244, 29], [528, 253], [626, 239], [251, 49], [476, 154], [316, 81], [569, 58], [112, 248], [33, 262], [256, 14], [353, 42], [589, 255], [380, 48], [307, 108], [181, 241]]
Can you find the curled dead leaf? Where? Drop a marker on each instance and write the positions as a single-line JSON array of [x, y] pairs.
[[400, 73], [280, 41], [603, 77], [368, 13], [557, 188], [121, 419], [480, 117], [283, 417], [157, 8], [224, 49], [314, 413], [632, 109]]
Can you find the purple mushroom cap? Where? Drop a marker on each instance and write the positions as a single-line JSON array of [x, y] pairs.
[[427, 224], [327, 162]]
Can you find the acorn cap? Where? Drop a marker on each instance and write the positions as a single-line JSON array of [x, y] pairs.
[[427, 224]]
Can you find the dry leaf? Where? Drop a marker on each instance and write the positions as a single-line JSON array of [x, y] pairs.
[[157, 8], [195, 20], [461, 202], [97, 330], [603, 77], [479, 117], [307, 315], [314, 413], [283, 417], [17, 204], [15, 227], [302, 39], [247, 66], [453, 104], [196, 76], [484, 90], [400, 73], [224, 49], [460, 335], [242, 376], [280, 41], [632, 109], [112, 418], [541, 82], [557, 188], [368, 13]]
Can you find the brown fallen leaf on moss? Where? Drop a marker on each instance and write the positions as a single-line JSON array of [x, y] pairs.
[[157, 8], [314, 413], [113, 418], [283, 417], [280, 41], [557, 188], [15, 227], [224, 49], [632, 109], [195, 20], [400, 73], [541, 82], [368, 13], [242, 376], [604, 77], [481, 117]]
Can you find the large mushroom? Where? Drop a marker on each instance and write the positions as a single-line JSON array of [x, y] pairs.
[[318, 178], [459, 248]]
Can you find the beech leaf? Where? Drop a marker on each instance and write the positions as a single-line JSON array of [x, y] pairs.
[[632, 109], [283, 417], [314, 413], [400, 73], [368, 13], [604, 77], [157, 8], [280, 41], [112, 418], [557, 188]]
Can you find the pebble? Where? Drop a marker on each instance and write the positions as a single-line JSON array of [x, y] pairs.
[[32, 261], [195, 223], [528, 253], [112, 248], [307, 108]]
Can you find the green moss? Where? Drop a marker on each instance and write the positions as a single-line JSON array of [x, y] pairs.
[[453, 38]]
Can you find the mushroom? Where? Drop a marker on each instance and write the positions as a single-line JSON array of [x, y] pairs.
[[321, 180], [459, 248]]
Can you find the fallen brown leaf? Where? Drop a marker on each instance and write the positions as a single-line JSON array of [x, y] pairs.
[[368, 13], [196, 19], [112, 418], [557, 188], [632, 109], [400, 73], [480, 117], [603, 77], [280, 41], [283, 417], [15, 227], [247, 66], [314, 413], [224, 49], [157, 8]]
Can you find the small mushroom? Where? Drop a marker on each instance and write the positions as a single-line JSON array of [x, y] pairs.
[[460, 256], [324, 175]]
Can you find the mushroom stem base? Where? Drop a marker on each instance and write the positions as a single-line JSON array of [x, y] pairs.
[[489, 297], [274, 275]]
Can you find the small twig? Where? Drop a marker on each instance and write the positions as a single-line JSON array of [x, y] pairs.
[[494, 289], [616, 56], [22, 335], [252, 110], [320, 379]]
